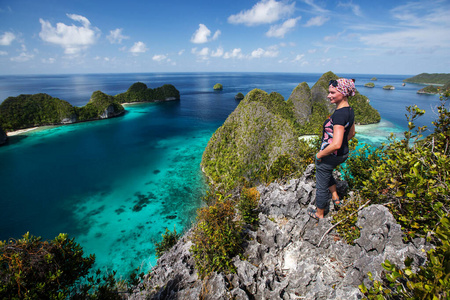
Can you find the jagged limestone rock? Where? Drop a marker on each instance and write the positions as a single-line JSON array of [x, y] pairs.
[[301, 101], [282, 257], [251, 139]]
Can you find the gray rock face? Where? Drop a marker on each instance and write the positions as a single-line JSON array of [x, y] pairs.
[[301, 100], [283, 259]]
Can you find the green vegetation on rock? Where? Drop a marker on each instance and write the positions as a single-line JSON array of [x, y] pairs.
[[218, 86], [138, 92], [25, 111], [426, 78], [259, 141], [239, 96], [370, 84], [388, 87], [374, 79], [100, 106]]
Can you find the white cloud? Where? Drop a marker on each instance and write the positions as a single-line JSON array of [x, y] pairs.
[[159, 57], [299, 57], [181, 52], [235, 53], [49, 60], [317, 21], [263, 12], [356, 9], [23, 57], [419, 24], [272, 52], [218, 53], [72, 38], [7, 38], [115, 36], [3, 53], [201, 35], [202, 55], [280, 30], [312, 51], [138, 47]]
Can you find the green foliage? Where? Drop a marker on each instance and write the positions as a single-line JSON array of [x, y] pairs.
[[169, 239], [26, 111], [218, 86], [410, 175], [374, 79], [31, 268], [216, 238], [138, 92], [96, 107], [438, 78], [347, 227], [35, 269], [430, 89], [248, 205], [431, 281]]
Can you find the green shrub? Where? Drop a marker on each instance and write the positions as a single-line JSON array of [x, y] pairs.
[[169, 239], [216, 238], [34, 269], [410, 175], [248, 205]]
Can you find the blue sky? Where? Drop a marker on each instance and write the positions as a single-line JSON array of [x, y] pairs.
[[305, 36]]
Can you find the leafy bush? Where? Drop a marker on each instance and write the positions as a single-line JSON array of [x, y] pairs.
[[35, 269], [410, 175], [248, 205], [169, 240], [216, 238]]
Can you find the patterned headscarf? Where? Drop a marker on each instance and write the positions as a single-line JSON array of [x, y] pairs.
[[346, 86]]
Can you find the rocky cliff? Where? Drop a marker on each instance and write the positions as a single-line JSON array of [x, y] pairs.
[[289, 255]]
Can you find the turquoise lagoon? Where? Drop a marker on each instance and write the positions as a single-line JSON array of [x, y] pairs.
[[115, 185]]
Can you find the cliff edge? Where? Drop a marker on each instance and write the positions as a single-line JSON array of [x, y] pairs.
[[290, 255]]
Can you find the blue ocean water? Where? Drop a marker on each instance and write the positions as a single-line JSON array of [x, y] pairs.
[[116, 184]]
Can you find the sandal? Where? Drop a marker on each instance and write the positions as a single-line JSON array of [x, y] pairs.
[[312, 213], [337, 203]]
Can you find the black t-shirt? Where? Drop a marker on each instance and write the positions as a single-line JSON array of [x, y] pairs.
[[344, 116]]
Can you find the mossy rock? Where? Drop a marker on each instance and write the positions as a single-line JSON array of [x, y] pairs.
[[374, 79], [388, 87], [239, 96], [370, 85], [218, 87]]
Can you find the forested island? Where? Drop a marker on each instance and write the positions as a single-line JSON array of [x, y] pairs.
[[260, 139], [437, 83], [25, 111]]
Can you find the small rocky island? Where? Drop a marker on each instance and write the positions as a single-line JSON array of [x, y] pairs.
[[218, 87], [26, 111]]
